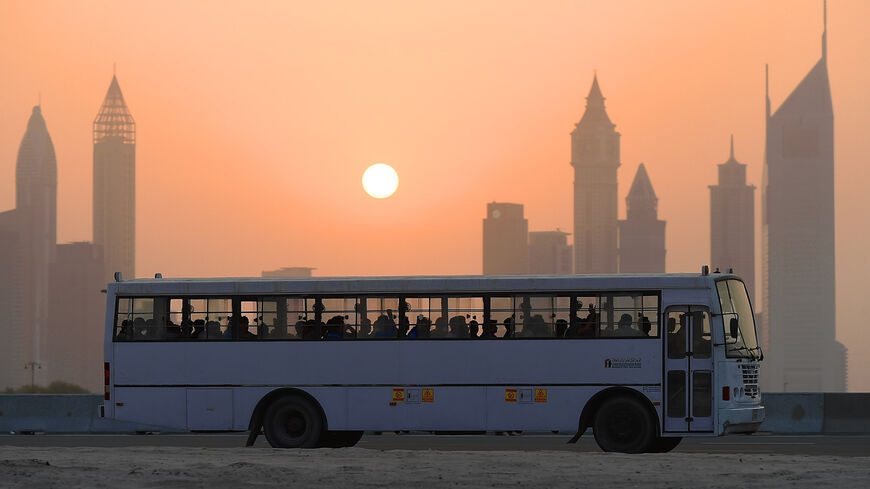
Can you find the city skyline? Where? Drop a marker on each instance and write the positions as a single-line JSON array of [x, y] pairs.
[[245, 156]]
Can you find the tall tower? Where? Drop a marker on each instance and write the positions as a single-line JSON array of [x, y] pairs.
[[115, 184], [732, 222], [595, 158], [505, 240], [36, 206], [798, 287], [641, 234]]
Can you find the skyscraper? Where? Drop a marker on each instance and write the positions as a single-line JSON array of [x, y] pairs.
[[732, 222], [505, 240], [798, 288], [595, 158], [115, 184], [76, 317], [29, 240], [641, 234], [549, 252]]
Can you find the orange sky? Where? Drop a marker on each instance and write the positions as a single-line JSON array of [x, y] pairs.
[[255, 123]]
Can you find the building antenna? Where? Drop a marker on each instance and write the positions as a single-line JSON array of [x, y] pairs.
[[766, 90], [825, 29], [732, 146]]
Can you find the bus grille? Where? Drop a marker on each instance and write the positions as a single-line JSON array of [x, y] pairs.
[[750, 380]]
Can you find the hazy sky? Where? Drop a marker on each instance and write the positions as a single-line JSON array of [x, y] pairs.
[[257, 119]]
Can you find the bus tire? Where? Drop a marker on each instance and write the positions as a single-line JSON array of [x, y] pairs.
[[665, 445], [293, 422], [624, 424], [340, 439]]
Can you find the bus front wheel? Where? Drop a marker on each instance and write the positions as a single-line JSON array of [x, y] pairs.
[[624, 424], [293, 422]]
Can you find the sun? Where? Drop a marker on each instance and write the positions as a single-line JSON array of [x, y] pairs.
[[380, 180]]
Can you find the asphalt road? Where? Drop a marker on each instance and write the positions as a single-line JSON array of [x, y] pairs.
[[830, 445]]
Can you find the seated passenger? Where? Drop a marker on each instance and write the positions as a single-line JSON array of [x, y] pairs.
[[241, 329], [490, 328], [645, 325], [173, 331], [365, 328], [458, 328], [509, 327], [198, 328], [440, 328], [561, 328], [213, 330], [139, 328], [624, 327], [473, 329], [311, 330], [384, 327], [335, 328], [421, 329]]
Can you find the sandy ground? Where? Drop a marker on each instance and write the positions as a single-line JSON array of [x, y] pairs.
[[359, 467]]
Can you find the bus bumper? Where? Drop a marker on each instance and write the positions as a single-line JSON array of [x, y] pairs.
[[742, 420]]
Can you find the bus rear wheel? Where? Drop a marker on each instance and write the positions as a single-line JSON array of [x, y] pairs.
[[340, 439], [624, 424], [293, 422]]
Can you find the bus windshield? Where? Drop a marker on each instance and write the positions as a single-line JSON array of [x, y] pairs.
[[735, 304]]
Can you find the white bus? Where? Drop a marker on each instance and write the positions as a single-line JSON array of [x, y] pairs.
[[643, 360]]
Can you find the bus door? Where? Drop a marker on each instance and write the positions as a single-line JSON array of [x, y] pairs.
[[688, 400]]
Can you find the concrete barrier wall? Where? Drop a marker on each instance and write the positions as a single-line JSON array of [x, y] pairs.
[[847, 413], [59, 413], [793, 413], [80, 413]]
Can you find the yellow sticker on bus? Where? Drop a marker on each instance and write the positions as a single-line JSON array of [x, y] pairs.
[[399, 395], [510, 395], [428, 395], [540, 395]]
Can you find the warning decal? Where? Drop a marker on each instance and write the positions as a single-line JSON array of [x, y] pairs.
[[428, 395], [399, 395], [540, 395], [510, 395]]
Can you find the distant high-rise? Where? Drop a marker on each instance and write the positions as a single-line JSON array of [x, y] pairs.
[[798, 289], [29, 239], [78, 309], [115, 184], [289, 272], [595, 158], [641, 234], [732, 222], [550, 253], [505, 240]]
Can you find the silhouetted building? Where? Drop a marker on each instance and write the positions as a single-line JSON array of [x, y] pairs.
[[595, 158], [289, 272], [732, 222], [115, 184], [29, 234], [641, 234], [77, 316], [549, 253], [505, 240], [798, 289]]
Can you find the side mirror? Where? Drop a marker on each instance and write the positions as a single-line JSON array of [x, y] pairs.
[[735, 328]]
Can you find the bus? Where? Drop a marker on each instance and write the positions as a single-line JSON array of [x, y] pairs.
[[641, 360]]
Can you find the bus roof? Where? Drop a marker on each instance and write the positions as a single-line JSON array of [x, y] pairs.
[[461, 284]]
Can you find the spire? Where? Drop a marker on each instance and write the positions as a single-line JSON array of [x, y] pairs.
[[114, 120], [595, 91], [641, 202], [732, 149], [595, 110], [36, 165]]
